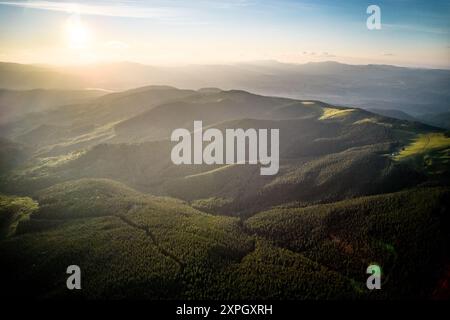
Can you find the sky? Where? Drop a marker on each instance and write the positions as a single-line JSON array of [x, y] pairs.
[[173, 32]]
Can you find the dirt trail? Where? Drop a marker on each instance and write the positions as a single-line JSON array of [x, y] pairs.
[[152, 237], [426, 144]]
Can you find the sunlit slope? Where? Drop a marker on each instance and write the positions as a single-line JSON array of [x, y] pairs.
[[319, 160], [423, 144], [71, 127], [13, 210], [429, 152], [209, 107], [152, 113], [148, 113], [125, 136]]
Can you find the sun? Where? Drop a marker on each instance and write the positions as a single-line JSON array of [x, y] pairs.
[[77, 34]]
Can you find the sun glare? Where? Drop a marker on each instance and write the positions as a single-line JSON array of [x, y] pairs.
[[78, 35]]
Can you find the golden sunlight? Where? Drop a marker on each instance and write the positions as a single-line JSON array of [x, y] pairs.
[[77, 34]]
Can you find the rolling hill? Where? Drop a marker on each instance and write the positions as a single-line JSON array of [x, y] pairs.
[[321, 148], [93, 182]]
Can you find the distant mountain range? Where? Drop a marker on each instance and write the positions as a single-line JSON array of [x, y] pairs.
[[416, 92]]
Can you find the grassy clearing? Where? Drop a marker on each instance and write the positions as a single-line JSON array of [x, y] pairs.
[[332, 113], [424, 143], [373, 120], [12, 211], [224, 167]]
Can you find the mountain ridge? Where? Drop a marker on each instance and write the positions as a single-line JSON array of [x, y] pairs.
[[415, 91]]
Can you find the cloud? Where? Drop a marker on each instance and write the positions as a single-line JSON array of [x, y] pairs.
[[128, 9], [118, 9], [229, 4]]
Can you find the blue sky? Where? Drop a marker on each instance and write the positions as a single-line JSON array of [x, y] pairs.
[[414, 33]]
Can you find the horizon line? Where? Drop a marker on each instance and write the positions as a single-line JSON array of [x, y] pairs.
[[230, 63]]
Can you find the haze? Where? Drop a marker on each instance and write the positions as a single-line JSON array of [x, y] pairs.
[[414, 33]]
